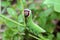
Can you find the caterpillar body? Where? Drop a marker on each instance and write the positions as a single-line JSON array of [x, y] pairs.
[[32, 27]]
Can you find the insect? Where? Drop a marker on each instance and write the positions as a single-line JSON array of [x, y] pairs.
[[32, 27], [57, 28]]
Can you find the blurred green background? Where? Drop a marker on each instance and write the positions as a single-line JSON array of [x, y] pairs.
[[12, 20]]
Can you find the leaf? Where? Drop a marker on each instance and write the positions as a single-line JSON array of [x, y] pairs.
[[49, 2], [46, 13], [20, 5], [5, 3], [57, 7], [55, 3], [21, 18], [22, 21], [12, 12], [32, 6], [24, 2], [8, 34], [58, 36], [50, 36], [43, 16], [12, 27], [53, 16]]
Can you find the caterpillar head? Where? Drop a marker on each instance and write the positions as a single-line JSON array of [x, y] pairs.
[[27, 12]]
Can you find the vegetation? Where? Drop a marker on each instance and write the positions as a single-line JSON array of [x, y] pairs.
[[38, 26]]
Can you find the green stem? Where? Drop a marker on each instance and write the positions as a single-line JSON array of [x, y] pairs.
[[33, 36], [2, 16], [41, 36]]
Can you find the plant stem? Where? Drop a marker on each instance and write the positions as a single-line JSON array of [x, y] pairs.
[[33, 36], [3, 17]]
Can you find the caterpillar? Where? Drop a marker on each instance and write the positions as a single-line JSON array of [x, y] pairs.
[[32, 27]]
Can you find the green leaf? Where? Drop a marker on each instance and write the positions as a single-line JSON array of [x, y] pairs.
[[42, 21], [13, 28], [22, 21], [50, 36], [55, 3], [46, 13], [57, 7], [43, 16], [20, 5], [12, 12], [8, 33], [24, 2], [58, 36], [49, 2], [5, 3], [21, 18], [32, 6]]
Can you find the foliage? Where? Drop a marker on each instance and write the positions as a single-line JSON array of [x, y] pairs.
[[43, 13]]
